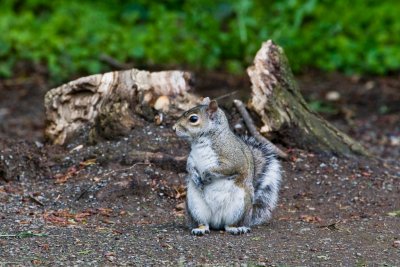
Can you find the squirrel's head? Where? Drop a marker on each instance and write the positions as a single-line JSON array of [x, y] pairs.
[[205, 119]]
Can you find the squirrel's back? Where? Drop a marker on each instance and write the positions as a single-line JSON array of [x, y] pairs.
[[266, 181]]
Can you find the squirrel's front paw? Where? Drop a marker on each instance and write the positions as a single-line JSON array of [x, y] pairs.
[[197, 181], [201, 230], [232, 177], [237, 230], [207, 177]]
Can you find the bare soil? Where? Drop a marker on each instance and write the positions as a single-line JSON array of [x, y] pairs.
[[104, 205]]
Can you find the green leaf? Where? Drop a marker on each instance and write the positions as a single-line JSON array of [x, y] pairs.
[[395, 213]]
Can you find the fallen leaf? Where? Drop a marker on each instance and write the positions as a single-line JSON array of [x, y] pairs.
[[107, 221], [143, 222], [395, 213], [65, 217], [180, 191], [24, 234], [88, 162], [36, 262], [11, 188], [45, 247], [310, 219], [117, 232], [105, 211], [180, 206], [366, 174], [110, 256], [54, 219], [62, 178], [85, 252], [166, 245], [72, 221], [81, 216]]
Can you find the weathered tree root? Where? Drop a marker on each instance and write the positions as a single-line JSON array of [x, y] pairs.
[[253, 130]]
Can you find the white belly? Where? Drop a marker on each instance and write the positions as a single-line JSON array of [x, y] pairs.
[[226, 202], [220, 203], [203, 156]]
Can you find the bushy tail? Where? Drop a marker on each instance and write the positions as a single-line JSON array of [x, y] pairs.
[[266, 182]]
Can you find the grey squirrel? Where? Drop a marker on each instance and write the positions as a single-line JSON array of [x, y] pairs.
[[232, 182]]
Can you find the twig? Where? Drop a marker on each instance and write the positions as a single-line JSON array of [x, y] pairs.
[[37, 201], [114, 63], [23, 234], [125, 169], [84, 191], [226, 95], [253, 130]]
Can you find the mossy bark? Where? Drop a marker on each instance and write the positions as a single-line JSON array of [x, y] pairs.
[[282, 109]]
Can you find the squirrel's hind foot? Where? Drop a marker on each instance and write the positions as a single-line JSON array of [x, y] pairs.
[[237, 230], [201, 230]]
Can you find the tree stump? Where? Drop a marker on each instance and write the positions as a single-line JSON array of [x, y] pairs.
[[277, 101], [108, 103]]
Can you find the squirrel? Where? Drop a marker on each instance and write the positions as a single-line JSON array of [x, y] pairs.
[[232, 182]]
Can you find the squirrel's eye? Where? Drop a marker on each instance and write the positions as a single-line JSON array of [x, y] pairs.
[[193, 118]]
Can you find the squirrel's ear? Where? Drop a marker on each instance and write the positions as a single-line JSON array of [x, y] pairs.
[[212, 109], [205, 101]]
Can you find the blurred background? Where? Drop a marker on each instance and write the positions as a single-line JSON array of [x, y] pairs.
[[117, 209], [345, 54], [81, 37]]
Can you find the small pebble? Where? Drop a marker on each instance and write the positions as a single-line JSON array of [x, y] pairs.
[[332, 96]]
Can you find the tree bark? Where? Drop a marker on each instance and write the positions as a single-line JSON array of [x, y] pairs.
[[277, 101], [107, 103]]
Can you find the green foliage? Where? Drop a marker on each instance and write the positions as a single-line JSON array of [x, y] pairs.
[[361, 36], [322, 107]]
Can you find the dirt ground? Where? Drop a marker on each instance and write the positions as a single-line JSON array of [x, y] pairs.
[[103, 205]]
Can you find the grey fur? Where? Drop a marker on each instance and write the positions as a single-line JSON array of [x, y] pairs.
[[233, 182], [266, 180]]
